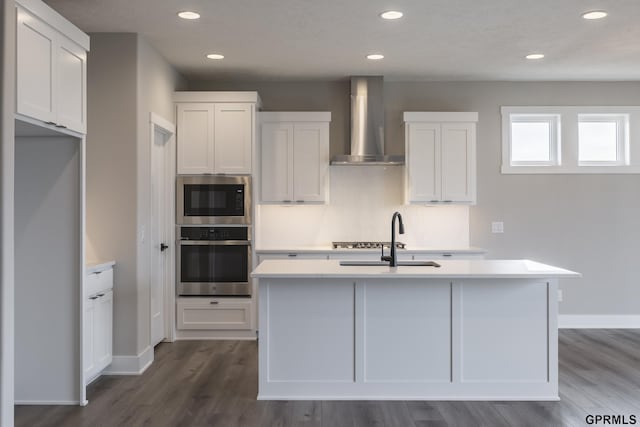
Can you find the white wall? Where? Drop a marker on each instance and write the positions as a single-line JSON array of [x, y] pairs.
[[363, 199], [7, 85]]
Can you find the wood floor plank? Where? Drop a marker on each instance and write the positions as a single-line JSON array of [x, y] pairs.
[[214, 383]]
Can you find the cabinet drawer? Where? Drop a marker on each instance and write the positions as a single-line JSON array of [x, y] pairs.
[[99, 281], [214, 313], [293, 255]]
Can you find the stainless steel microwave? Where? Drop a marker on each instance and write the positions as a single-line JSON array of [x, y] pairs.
[[211, 199]]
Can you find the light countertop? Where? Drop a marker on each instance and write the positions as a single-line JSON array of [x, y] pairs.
[[407, 250], [476, 269], [95, 266]]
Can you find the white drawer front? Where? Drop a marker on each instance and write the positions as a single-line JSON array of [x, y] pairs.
[[214, 314], [98, 282]]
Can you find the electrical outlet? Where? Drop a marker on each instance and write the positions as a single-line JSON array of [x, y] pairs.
[[559, 295], [497, 227]]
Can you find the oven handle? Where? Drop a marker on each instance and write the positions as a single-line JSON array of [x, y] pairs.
[[215, 243]]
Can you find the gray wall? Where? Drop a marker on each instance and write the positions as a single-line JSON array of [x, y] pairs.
[[7, 85], [157, 81], [111, 173], [127, 79], [588, 223], [47, 255]]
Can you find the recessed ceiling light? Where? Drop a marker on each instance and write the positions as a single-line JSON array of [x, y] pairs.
[[375, 56], [187, 14], [535, 56], [391, 14], [215, 56], [594, 14]]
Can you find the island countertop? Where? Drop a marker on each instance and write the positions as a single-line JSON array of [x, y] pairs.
[[522, 268]]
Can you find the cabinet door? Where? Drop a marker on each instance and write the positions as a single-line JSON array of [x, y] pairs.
[[277, 162], [88, 339], [35, 76], [423, 162], [233, 138], [104, 330], [458, 162], [310, 161], [71, 84], [195, 138]]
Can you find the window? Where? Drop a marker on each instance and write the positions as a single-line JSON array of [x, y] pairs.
[[602, 139], [534, 139], [571, 140]]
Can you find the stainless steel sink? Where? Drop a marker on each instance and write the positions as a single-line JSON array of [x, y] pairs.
[[382, 263]]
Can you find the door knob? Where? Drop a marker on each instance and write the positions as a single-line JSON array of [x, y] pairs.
[[163, 247]]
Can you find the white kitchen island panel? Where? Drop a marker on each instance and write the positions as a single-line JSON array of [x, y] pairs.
[[310, 330], [504, 331], [394, 325], [485, 331]]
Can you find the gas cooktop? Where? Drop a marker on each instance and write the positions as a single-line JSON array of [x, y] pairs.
[[365, 245]]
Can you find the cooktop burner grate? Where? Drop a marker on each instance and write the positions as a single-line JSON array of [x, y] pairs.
[[365, 245]]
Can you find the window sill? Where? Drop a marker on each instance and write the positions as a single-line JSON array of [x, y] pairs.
[[585, 170]]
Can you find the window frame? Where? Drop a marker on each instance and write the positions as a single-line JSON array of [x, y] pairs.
[[553, 120], [622, 138], [568, 144]]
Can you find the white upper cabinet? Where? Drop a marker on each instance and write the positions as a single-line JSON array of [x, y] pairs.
[[440, 157], [277, 162], [51, 77], [195, 138], [215, 137], [233, 136], [295, 157]]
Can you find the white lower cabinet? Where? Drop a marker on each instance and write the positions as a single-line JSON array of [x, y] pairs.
[[202, 313], [98, 326]]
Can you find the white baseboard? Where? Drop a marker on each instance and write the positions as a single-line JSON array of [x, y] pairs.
[[47, 402], [598, 321], [130, 365]]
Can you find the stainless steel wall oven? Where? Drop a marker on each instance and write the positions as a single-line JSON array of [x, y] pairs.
[[214, 260]]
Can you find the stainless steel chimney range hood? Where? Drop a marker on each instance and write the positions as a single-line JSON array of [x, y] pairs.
[[367, 125]]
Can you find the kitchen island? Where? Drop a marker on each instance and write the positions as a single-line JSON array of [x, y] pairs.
[[468, 330]]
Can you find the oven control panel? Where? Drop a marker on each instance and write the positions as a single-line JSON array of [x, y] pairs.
[[214, 233]]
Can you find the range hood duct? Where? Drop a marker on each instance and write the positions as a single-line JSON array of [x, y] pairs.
[[367, 125]]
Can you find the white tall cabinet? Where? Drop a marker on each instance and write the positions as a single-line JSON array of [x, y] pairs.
[[440, 152], [294, 155], [215, 132], [51, 61]]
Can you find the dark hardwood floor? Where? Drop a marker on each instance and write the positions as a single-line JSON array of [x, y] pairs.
[[214, 383]]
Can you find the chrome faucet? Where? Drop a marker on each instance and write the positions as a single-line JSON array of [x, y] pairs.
[[393, 258]]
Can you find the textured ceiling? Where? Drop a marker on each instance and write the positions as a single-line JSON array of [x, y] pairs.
[[328, 39]]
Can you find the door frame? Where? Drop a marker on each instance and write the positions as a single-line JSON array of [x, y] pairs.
[[164, 126]]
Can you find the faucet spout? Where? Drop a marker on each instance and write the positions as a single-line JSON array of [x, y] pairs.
[[393, 258]]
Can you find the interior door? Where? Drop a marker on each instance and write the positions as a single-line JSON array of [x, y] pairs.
[[162, 185]]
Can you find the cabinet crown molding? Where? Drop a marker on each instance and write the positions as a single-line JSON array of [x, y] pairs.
[[56, 21], [294, 116], [217, 96], [439, 116]]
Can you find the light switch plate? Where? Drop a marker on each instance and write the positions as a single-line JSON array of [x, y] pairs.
[[559, 295], [497, 227]]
